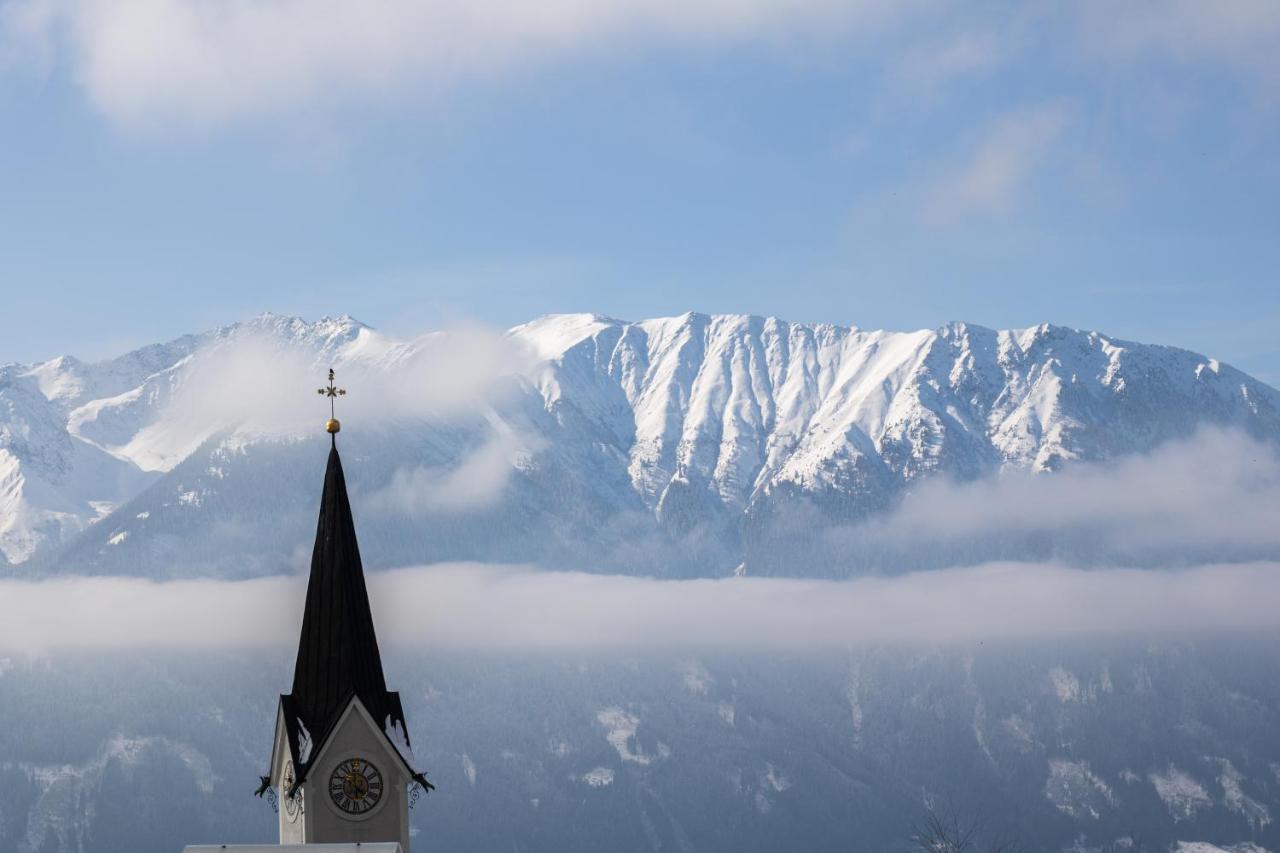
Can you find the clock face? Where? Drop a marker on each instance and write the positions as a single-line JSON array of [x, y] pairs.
[[355, 786], [292, 805]]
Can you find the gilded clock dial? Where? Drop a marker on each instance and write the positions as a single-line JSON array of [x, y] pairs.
[[355, 786]]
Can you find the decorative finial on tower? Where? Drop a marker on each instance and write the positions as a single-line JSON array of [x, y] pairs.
[[332, 425]]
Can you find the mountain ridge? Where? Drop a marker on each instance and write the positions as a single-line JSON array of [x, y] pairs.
[[708, 425]]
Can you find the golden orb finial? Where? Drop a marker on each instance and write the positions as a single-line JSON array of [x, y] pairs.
[[332, 391]]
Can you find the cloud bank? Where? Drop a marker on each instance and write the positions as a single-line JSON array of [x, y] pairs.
[[156, 64], [1212, 497], [251, 382], [260, 380], [513, 608], [147, 62], [1239, 34], [478, 480]]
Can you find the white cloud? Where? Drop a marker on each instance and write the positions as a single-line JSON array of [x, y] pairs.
[[1213, 496], [255, 380], [160, 65], [247, 382], [1239, 34], [152, 63], [478, 480], [962, 53], [1215, 493], [994, 177], [448, 377], [511, 607]]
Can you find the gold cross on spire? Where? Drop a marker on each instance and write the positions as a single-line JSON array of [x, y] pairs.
[[332, 391]]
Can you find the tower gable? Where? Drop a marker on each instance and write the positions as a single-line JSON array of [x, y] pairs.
[[355, 744], [357, 725]]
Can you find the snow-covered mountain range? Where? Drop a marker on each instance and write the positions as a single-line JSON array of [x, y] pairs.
[[686, 445]]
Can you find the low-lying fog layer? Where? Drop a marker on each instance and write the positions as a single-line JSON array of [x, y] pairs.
[[514, 607], [1212, 496]]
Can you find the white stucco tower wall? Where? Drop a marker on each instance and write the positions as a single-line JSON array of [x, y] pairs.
[[314, 816]]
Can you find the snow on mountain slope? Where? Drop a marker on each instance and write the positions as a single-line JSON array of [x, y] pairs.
[[52, 484], [703, 441], [742, 406], [154, 426], [77, 439]]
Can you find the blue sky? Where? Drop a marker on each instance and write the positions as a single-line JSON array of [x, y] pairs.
[[168, 165]]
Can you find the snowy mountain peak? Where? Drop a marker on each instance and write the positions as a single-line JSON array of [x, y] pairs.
[[699, 422], [743, 405], [60, 378], [325, 333]]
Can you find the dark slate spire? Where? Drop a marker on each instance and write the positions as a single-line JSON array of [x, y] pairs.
[[338, 660], [338, 651]]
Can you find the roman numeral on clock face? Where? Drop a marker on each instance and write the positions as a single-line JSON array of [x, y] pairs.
[[355, 786]]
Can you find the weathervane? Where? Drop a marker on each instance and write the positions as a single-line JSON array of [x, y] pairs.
[[332, 391]]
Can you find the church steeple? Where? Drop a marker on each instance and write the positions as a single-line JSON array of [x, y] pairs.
[[338, 651], [340, 734]]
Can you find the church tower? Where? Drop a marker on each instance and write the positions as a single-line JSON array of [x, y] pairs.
[[341, 765]]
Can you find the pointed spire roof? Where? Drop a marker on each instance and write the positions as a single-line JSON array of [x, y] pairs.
[[338, 650], [338, 659]]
